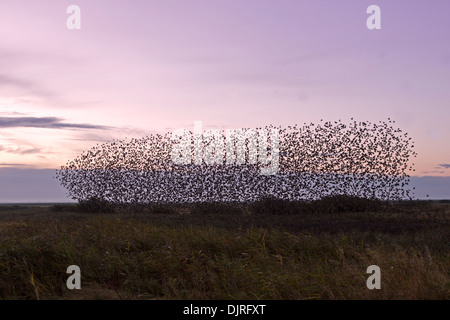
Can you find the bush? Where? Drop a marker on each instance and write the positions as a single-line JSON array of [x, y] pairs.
[[161, 209], [330, 204], [272, 205], [63, 207], [216, 208], [344, 203], [96, 205]]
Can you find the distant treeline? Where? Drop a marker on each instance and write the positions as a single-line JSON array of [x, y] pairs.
[[269, 205]]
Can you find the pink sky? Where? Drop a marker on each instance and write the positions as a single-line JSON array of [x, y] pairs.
[[137, 67]]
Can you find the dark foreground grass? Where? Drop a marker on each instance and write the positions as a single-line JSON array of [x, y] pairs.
[[207, 255]]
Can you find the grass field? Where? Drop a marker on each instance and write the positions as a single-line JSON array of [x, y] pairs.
[[214, 253]]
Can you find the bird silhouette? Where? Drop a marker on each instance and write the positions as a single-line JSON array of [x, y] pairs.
[[361, 158]]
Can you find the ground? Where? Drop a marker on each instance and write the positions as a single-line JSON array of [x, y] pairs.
[[217, 252]]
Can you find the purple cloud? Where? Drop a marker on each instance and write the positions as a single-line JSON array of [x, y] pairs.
[[44, 122]]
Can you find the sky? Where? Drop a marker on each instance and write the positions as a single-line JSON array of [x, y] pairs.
[[140, 67]]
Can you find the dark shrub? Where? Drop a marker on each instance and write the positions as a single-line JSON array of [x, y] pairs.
[[63, 207], [331, 204], [272, 205], [344, 203], [216, 208], [96, 205], [162, 209]]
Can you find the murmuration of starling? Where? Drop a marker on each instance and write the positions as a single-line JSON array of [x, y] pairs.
[[362, 159]]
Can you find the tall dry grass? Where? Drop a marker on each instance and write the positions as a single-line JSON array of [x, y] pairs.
[[156, 257]]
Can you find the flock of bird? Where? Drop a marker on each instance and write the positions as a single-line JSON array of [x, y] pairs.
[[362, 159]]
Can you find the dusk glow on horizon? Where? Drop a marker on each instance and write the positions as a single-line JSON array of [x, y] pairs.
[[150, 66]]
